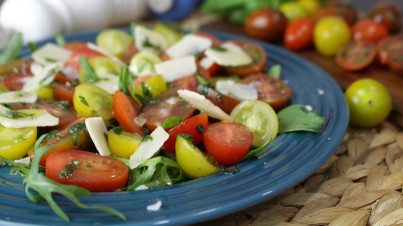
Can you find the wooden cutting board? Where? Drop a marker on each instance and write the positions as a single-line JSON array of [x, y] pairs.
[[392, 81]]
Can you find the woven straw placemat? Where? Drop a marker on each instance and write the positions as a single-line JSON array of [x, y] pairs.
[[361, 184]]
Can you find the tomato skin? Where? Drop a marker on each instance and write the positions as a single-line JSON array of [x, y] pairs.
[[356, 56], [227, 142], [93, 172], [369, 31], [388, 46], [258, 55], [190, 127], [14, 74], [16, 142], [224, 102], [369, 102], [126, 110], [63, 92], [330, 34], [269, 89], [387, 14], [266, 24], [299, 34]]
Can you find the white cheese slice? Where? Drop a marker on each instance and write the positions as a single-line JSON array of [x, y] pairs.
[[206, 62], [51, 53], [203, 104], [189, 45], [236, 90], [105, 53], [26, 118], [229, 54], [18, 97], [97, 131], [109, 83], [178, 68], [149, 147], [24, 161], [149, 39], [42, 76]]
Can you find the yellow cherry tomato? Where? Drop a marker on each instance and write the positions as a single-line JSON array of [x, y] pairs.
[[114, 41], [191, 160], [154, 84], [143, 63], [123, 144], [310, 6], [45, 92], [90, 100], [15, 143], [293, 10], [369, 102], [330, 34]]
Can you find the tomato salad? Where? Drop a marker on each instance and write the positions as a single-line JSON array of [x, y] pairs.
[[140, 110]]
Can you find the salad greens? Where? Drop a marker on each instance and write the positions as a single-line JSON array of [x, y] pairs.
[[299, 118], [12, 50]]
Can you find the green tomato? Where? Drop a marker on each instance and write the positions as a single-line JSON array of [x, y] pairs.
[[15, 143], [171, 33], [369, 102], [191, 160], [259, 117], [293, 10], [330, 34], [102, 66], [114, 41], [91, 101]]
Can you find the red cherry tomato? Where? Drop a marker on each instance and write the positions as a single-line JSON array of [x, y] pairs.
[[272, 90], [388, 46], [125, 110], [266, 24], [227, 142], [63, 92], [387, 14], [169, 105], [356, 56], [340, 9], [88, 170], [224, 102], [14, 74], [258, 59], [369, 31], [299, 34], [188, 82], [193, 126]]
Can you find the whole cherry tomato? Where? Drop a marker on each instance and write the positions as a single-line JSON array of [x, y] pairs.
[[299, 34], [369, 31], [266, 24], [330, 34], [343, 10], [387, 14]]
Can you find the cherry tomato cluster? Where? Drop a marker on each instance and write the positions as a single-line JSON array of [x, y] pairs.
[[334, 30]]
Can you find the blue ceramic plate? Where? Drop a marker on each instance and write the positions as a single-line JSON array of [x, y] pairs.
[[287, 161]]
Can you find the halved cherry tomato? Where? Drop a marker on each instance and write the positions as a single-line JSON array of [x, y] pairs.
[[369, 31], [224, 102], [16, 142], [79, 49], [207, 70], [387, 14], [126, 110], [72, 136], [388, 46], [258, 59], [356, 56], [169, 105], [299, 34], [63, 92], [272, 90], [193, 126], [395, 62], [227, 142], [188, 82], [88, 170], [14, 74]]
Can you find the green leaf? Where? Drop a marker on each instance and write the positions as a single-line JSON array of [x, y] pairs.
[[126, 84], [299, 118], [172, 122], [32, 47], [60, 40], [133, 30], [12, 50], [203, 82], [90, 75], [156, 172], [256, 151], [275, 71], [222, 6]]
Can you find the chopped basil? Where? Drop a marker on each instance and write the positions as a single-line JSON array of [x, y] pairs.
[[172, 122], [13, 114], [147, 44], [32, 47], [117, 129], [202, 81], [218, 48], [75, 130], [147, 138], [83, 100], [200, 128]]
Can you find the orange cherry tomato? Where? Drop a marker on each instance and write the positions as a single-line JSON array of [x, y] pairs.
[[126, 110], [369, 31]]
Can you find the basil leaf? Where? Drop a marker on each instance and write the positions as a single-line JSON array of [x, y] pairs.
[[90, 75], [126, 84], [12, 50], [156, 172], [299, 118], [172, 122]]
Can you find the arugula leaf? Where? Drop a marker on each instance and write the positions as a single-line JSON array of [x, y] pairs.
[[38, 187], [12, 50], [90, 75], [156, 172], [299, 118], [275, 71], [172, 122], [126, 83]]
